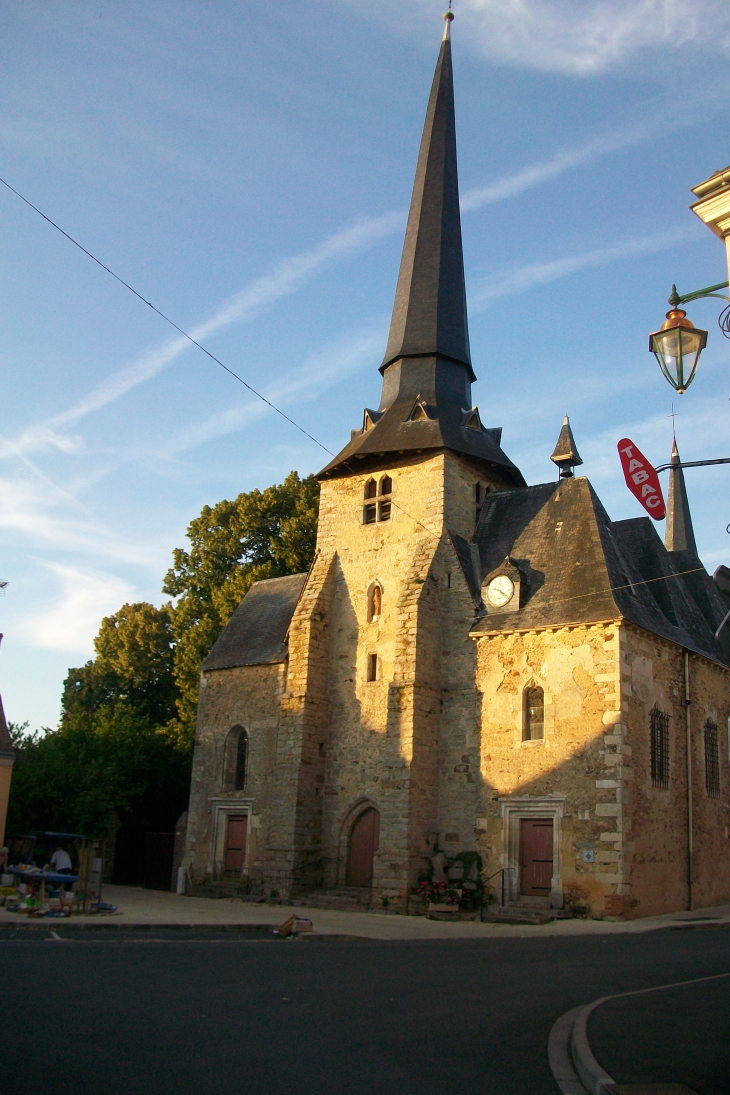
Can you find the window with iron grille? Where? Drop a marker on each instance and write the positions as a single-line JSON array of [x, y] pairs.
[[659, 723], [712, 760]]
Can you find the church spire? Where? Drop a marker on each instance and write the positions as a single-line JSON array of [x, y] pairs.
[[429, 313], [679, 532], [426, 401]]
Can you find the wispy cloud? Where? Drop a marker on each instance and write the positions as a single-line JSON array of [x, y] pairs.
[[286, 278], [73, 619], [508, 186], [332, 361], [575, 37], [541, 273]]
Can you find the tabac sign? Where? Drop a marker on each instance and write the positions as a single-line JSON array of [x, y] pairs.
[[641, 479]]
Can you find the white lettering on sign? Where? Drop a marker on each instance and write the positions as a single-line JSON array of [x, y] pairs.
[[641, 478]]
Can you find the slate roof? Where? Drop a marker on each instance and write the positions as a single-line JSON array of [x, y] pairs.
[[429, 312], [580, 567], [256, 632]]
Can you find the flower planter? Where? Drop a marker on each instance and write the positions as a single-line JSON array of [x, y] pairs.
[[443, 912]]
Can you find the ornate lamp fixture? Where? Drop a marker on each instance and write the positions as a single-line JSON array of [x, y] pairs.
[[677, 345]]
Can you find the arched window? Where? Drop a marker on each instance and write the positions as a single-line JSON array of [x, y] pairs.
[[386, 485], [371, 489], [236, 759], [533, 713], [375, 601]]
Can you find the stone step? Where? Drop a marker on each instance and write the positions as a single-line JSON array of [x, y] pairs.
[[341, 900], [525, 914]]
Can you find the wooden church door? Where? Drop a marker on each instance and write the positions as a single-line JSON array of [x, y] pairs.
[[364, 839], [236, 843], [536, 856]]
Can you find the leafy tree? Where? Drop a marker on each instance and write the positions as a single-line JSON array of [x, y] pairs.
[[134, 661], [261, 534], [112, 761]]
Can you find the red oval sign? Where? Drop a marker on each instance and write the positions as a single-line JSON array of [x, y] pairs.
[[641, 479]]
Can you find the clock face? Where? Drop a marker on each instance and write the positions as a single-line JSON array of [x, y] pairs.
[[500, 590]]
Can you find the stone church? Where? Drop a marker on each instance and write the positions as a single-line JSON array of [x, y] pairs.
[[471, 664]]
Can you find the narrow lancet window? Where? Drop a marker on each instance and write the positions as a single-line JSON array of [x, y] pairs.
[[235, 760], [712, 760], [239, 781], [372, 667], [659, 726], [371, 489], [533, 720]]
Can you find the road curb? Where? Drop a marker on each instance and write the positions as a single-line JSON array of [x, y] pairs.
[[593, 1077], [576, 1070]]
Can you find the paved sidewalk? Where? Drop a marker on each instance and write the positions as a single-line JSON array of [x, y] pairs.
[[156, 907], [677, 1035]]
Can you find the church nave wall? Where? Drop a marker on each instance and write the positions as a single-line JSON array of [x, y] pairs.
[[247, 697]]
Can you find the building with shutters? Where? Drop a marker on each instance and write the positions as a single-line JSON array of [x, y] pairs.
[[471, 664]]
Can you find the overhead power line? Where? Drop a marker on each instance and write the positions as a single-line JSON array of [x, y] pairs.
[[162, 315], [194, 341]]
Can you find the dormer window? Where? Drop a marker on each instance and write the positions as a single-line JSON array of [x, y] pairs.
[[418, 413]]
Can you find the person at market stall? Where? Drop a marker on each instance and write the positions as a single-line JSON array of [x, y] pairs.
[[61, 862]]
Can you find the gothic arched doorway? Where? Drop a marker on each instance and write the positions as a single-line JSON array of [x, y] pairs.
[[362, 846]]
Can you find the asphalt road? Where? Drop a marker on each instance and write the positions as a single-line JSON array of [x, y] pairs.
[[160, 1013]]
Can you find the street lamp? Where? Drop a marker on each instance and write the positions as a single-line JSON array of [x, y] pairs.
[[677, 345]]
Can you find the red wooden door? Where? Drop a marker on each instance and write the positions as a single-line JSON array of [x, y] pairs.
[[236, 843], [364, 839], [536, 855]]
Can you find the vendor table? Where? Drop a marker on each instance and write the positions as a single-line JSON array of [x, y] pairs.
[[42, 876]]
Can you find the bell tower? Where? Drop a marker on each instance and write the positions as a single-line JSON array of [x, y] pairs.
[[379, 643]]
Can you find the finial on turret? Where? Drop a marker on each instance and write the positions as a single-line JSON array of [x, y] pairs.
[[448, 19]]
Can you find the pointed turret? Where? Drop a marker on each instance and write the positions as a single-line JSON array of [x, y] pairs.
[[429, 313], [565, 453], [679, 534], [426, 400]]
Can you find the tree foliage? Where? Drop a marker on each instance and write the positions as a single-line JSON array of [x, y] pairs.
[[95, 766], [261, 534], [124, 745], [134, 662]]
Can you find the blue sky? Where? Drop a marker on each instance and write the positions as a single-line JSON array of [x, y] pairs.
[[248, 168]]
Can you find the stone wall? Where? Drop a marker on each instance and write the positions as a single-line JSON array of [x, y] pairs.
[[654, 851], [563, 774], [248, 696], [382, 748]]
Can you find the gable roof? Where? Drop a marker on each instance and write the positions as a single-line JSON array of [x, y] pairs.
[[256, 632], [580, 567]]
